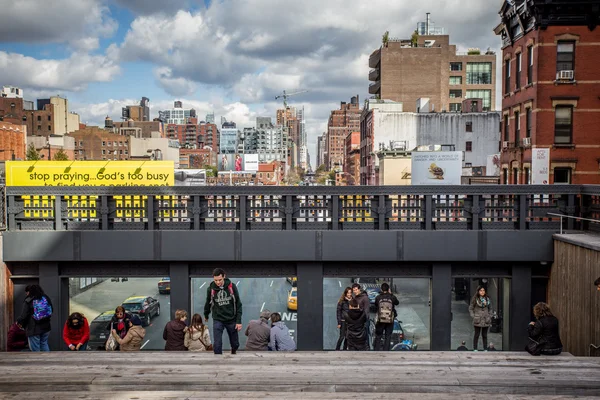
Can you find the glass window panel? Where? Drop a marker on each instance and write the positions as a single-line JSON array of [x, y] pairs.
[[565, 47], [484, 94], [456, 80]]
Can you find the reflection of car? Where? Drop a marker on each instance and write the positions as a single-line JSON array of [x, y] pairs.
[[292, 302], [164, 285], [98, 332], [397, 333], [292, 279], [372, 292], [145, 307], [117, 279]]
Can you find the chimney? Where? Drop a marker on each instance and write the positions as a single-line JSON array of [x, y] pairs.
[[427, 25]]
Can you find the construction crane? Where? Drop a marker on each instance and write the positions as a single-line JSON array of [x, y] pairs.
[[285, 96]]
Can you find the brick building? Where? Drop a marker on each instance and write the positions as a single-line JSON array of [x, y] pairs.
[[197, 158], [551, 84], [147, 129], [187, 133], [405, 71], [13, 140], [94, 143], [352, 159], [208, 135], [341, 123]]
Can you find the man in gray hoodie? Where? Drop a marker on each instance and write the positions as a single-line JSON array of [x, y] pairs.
[[259, 333], [280, 335]]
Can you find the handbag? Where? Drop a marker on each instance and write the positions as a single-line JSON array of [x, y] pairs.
[[209, 347], [533, 347], [111, 342]]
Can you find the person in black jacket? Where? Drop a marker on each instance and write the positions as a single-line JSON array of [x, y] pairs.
[[545, 330], [385, 303], [356, 335], [37, 329], [342, 307]]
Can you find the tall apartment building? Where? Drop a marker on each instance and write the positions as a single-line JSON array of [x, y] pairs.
[[177, 115], [94, 143], [54, 114], [266, 140], [137, 113], [352, 159], [208, 136], [229, 138], [341, 123], [321, 145], [187, 134], [551, 88], [405, 71]]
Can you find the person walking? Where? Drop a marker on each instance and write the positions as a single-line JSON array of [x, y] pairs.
[[545, 331], [35, 318], [174, 332], [385, 303], [223, 300], [134, 337], [342, 307], [280, 335], [356, 334], [197, 336], [76, 332], [259, 333], [480, 311]]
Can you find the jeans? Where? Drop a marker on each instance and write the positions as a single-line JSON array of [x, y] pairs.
[[383, 331], [218, 328], [484, 332], [39, 342], [82, 348], [342, 338]]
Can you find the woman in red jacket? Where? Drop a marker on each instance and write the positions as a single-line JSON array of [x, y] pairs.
[[76, 332]]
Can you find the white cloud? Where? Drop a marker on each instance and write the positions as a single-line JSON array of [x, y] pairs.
[[71, 74], [173, 86]]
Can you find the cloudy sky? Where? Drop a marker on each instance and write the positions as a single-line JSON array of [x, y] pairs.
[[228, 56]]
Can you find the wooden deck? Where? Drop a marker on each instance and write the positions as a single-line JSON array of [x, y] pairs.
[[306, 376]]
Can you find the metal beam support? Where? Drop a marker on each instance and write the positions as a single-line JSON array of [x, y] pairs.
[[441, 307], [50, 281], [180, 284], [310, 307], [520, 306]]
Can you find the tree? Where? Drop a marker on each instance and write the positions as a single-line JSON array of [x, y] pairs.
[[32, 153], [414, 38], [60, 155], [385, 39], [211, 171]]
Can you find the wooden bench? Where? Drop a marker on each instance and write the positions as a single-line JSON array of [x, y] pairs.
[[322, 375]]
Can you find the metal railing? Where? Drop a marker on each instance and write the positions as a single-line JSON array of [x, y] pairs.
[[482, 207], [575, 218]]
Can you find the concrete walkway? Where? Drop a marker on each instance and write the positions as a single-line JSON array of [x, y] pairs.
[[323, 375]]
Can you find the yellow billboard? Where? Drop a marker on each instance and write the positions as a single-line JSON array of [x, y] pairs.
[[90, 173]]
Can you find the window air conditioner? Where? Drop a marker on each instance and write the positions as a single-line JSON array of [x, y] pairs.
[[505, 145], [527, 142], [566, 75]]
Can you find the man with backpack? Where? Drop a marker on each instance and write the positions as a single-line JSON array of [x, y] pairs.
[[223, 300], [386, 313], [35, 318]]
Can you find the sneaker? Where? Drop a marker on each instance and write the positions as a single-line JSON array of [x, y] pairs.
[[233, 351]]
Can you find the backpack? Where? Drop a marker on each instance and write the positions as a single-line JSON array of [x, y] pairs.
[[41, 309], [230, 289], [385, 312]]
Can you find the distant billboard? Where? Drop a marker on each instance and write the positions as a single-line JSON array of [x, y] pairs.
[[190, 177], [540, 166], [436, 168], [236, 162], [251, 162]]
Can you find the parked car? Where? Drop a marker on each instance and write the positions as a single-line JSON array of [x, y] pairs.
[[292, 303], [98, 332], [146, 307], [164, 285], [117, 279], [292, 279], [372, 291]]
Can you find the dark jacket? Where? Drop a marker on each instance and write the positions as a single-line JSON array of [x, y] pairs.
[[386, 296], [364, 303], [224, 307], [356, 334], [174, 334], [545, 331], [480, 311], [342, 307], [17, 339], [121, 328], [259, 335], [31, 326]]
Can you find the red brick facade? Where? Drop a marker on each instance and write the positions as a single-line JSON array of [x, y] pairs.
[[574, 157], [341, 123], [12, 141]]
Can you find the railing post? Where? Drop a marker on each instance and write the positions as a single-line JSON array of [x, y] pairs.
[[150, 212], [243, 212], [196, 211], [428, 212], [475, 212], [570, 212], [382, 212], [11, 211], [104, 212], [58, 224], [335, 212], [289, 213], [522, 212]]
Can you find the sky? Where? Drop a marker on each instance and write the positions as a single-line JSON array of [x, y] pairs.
[[230, 57]]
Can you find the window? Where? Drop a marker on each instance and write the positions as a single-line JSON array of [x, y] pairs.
[[529, 65], [469, 126], [506, 77], [528, 123], [506, 133], [505, 176], [484, 94], [562, 175], [468, 165], [565, 56], [469, 146], [527, 176], [518, 75], [103, 151], [563, 124], [515, 176], [455, 93], [455, 107], [39, 117], [49, 127], [81, 143], [103, 143], [39, 127], [479, 73], [49, 118], [517, 127], [456, 80], [455, 66]]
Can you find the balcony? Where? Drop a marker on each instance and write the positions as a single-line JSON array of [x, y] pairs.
[[374, 75], [375, 59], [375, 87]]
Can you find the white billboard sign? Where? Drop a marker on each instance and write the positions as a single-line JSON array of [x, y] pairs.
[[436, 167], [251, 162], [540, 166]]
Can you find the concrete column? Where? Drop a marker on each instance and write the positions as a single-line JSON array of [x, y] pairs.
[[441, 307], [310, 306], [57, 290], [180, 288], [520, 306]]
